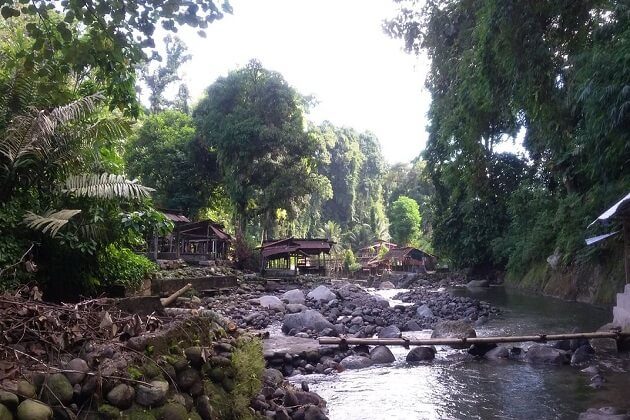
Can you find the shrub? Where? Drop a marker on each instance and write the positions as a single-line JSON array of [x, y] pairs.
[[121, 266]]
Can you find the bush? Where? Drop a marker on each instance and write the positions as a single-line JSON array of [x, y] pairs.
[[121, 266]]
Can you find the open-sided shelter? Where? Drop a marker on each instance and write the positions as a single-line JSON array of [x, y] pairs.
[[294, 256]]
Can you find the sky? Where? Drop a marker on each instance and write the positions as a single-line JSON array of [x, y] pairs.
[[332, 49]]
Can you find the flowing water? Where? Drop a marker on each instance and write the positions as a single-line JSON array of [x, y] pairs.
[[448, 388]]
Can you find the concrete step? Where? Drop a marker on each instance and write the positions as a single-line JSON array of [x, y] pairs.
[[621, 317]]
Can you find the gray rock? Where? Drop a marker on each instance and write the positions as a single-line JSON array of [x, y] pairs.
[[391, 331], [380, 301], [322, 294], [295, 296], [172, 411], [582, 355], [294, 308], [386, 285], [152, 396], [499, 352], [272, 377], [271, 302], [382, 355], [478, 283], [34, 410], [538, 353], [356, 362], [310, 319], [195, 356], [26, 389], [81, 368], [424, 311], [412, 326], [421, 354], [453, 329], [313, 412], [604, 413], [57, 389], [121, 396]]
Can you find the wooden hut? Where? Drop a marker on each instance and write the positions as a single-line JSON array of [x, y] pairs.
[[292, 256], [409, 260]]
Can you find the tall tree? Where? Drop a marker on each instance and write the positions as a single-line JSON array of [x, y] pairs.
[[255, 121], [405, 220]]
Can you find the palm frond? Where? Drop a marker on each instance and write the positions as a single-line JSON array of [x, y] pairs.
[[51, 221], [105, 186]]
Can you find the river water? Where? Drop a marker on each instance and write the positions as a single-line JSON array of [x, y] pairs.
[[449, 388]]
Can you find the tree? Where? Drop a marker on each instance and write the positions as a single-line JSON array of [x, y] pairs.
[[255, 122], [113, 35], [159, 79], [404, 220], [556, 71], [165, 155]]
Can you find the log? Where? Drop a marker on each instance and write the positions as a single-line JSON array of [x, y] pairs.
[[540, 338], [169, 300]]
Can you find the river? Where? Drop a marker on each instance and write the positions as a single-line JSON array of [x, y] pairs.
[[448, 388]]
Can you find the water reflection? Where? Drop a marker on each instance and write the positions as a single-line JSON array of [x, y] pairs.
[[447, 389]]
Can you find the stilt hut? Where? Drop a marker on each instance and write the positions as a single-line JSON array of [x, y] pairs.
[[409, 260], [293, 256]]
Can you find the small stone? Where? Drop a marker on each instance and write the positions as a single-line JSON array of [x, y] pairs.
[[108, 412], [9, 400], [33, 410], [80, 367], [356, 362], [25, 389], [205, 409], [391, 331], [57, 389], [382, 355], [5, 414], [151, 396], [121, 396], [172, 411], [195, 356], [187, 378]]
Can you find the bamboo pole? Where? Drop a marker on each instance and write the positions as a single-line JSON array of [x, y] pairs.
[[170, 299], [540, 338]]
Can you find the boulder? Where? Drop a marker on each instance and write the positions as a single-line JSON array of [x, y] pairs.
[[34, 410], [295, 296], [424, 311], [356, 362], [205, 409], [391, 331], [582, 355], [478, 283], [382, 355], [272, 377], [187, 378], [412, 326], [313, 412], [121, 396], [294, 308], [271, 302], [80, 368], [172, 411], [310, 319], [151, 396], [321, 294], [539, 353], [386, 285], [497, 353], [453, 329], [380, 302], [421, 354], [604, 413]]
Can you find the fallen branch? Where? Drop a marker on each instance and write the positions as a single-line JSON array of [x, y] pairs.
[[8, 267]]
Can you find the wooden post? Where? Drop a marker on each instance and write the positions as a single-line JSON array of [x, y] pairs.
[[177, 245]]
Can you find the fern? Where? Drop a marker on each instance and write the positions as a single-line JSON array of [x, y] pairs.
[[51, 221], [105, 186]]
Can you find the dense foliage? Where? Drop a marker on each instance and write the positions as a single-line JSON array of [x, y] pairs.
[[405, 220], [556, 72]]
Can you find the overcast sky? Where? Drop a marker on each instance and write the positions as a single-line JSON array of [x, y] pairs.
[[332, 49]]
